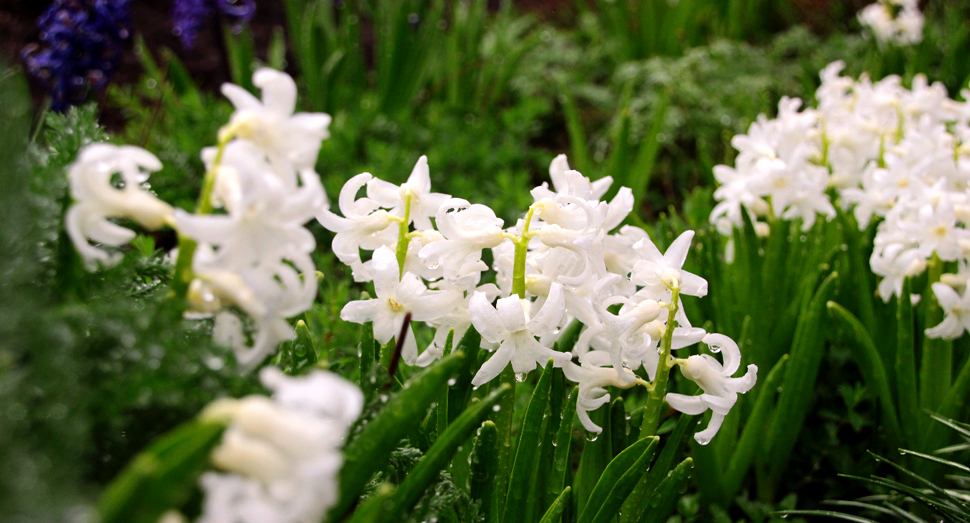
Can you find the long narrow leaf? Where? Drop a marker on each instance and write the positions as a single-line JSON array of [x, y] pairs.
[[526, 456], [370, 450], [618, 481], [438, 456], [870, 364], [668, 492], [555, 510]]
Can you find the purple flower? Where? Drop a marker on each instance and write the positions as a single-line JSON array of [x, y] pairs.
[[188, 16], [81, 45]]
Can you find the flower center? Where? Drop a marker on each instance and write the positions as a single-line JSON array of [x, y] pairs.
[[394, 305]]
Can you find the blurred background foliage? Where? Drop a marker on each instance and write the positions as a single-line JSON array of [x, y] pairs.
[[93, 366]]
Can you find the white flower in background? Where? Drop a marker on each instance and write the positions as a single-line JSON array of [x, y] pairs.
[[97, 198], [511, 325], [398, 295], [894, 21], [720, 389], [363, 226], [957, 309], [290, 141], [280, 457]]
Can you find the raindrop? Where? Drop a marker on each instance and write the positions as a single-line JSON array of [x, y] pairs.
[[592, 436], [151, 83], [497, 408], [520, 377], [383, 398], [451, 382]]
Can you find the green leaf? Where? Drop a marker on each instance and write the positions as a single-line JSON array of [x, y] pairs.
[[871, 366], [564, 438], [162, 477], [460, 392], [555, 510], [638, 501], [595, 457], [754, 429], [665, 498], [370, 450], [439, 455], [366, 351], [484, 459], [822, 513], [526, 455], [618, 481], [503, 421], [441, 416], [374, 508], [796, 397], [906, 392]]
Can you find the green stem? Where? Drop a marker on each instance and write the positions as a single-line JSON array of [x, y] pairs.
[[187, 246], [651, 413], [403, 240], [521, 249]]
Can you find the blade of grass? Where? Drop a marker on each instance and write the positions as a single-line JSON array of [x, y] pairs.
[[618, 481]]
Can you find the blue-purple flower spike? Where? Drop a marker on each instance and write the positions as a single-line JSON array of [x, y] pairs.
[[81, 45], [188, 16]]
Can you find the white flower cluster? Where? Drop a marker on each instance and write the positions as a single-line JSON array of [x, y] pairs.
[[898, 22], [559, 263], [254, 255], [888, 153], [280, 456]]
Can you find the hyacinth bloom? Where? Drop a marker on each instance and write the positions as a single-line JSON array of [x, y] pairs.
[[363, 225], [657, 270], [97, 199], [957, 309], [510, 324], [280, 457], [414, 193], [82, 41], [290, 141], [720, 389], [894, 21], [398, 296], [592, 379]]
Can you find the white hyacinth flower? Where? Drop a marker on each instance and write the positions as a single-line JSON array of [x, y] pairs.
[[511, 325], [397, 297], [423, 203], [592, 377], [96, 199], [280, 456], [957, 309], [658, 271], [720, 389], [364, 225], [291, 141]]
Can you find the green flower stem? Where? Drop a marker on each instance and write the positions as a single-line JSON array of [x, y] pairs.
[[658, 389], [521, 249], [187, 246], [403, 238]]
